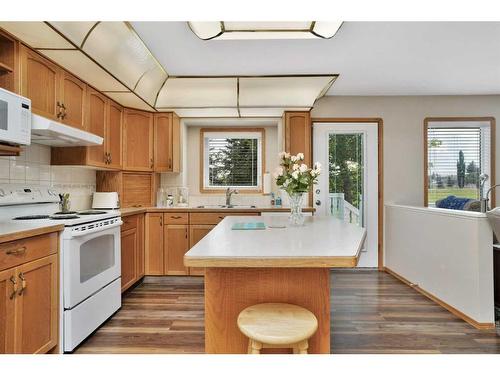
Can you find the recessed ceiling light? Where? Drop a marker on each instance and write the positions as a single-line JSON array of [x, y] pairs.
[[224, 30]]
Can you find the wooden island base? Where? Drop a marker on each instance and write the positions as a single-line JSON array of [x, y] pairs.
[[229, 290]]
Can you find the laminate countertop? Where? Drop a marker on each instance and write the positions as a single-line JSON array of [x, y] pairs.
[[139, 210], [11, 231], [323, 242]]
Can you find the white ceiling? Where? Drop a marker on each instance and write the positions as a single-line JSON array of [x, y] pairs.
[[372, 58]]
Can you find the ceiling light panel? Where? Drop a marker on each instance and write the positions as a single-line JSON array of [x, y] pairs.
[[282, 91], [128, 99], [203, 112], [118, 49], [266, 26], [77, 63], [326, 29], [36, 34], [74, 31], [150, 83], [198, 92]]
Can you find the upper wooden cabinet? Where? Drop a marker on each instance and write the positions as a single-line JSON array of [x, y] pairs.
[[167, 140], [135, 189], [103, 118], [40, 83], [73, 100], [298, 135], [138, 141], [54, 93], [9, 63]]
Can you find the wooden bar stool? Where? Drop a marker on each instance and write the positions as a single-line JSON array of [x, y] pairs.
[[277, 325]]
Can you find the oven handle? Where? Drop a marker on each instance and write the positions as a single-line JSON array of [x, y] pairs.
[[98, 229]]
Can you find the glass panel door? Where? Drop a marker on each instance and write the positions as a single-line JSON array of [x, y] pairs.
[[346, 176]]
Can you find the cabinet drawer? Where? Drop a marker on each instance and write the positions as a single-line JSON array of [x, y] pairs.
[[176, 218], [215, 217], [22, 251], [129, 222]]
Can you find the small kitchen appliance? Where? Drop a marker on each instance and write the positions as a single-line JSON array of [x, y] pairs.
[[105, 200]]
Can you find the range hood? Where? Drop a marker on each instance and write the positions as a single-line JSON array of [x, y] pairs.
[[52, 133]]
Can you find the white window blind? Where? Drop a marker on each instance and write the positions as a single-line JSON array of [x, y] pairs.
[[456, 158], [232, 160]]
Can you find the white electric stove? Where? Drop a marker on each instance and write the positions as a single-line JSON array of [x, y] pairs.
[[90, 264]]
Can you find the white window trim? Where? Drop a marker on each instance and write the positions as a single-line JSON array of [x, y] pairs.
[[241, 135]]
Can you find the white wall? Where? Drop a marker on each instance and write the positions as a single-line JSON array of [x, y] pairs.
[[33, 167], [403, 118], [190, 175]]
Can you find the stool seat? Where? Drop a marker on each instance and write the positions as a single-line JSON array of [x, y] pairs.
[[277, 323]]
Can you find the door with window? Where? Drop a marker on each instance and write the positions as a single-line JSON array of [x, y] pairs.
[[348, 187]]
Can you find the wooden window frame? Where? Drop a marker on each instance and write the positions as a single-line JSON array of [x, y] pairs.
[[257, 190], [492, 122]]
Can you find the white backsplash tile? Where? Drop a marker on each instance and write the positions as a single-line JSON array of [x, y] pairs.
[[33, 167]]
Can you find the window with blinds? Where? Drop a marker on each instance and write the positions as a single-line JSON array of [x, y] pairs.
[[456, 157], [232, 159]]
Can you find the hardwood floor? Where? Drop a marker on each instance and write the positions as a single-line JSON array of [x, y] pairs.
[[372, 312]]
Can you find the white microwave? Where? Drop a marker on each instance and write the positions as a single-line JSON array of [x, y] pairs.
[[15, 118]]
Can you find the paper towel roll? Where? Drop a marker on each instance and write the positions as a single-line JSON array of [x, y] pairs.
[[266, 184]]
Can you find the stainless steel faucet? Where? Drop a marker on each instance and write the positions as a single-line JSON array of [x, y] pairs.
[[485, 199], [229, 193]]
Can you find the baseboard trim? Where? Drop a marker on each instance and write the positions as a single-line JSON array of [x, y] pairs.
[[440, 302]]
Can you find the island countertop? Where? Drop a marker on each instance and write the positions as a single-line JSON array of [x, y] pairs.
[[323, 242]]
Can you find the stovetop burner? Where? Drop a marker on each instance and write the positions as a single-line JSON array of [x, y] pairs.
[[63, 217], [65, 213], [32, 217], [91, 212]]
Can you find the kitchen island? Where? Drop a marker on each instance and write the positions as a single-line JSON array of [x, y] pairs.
[[289, 265]]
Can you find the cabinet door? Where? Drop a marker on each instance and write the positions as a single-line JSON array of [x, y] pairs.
[[97, 119], [298, 136], [163, 142], [128, 258], [73, 99], [114, 135], [8, 283], [37, 306], [154, 244], [40, 83], [176, 144], [196, 233], [176, 245], [138, 141], [140, 246]]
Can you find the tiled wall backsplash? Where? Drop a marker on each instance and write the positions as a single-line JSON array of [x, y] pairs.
[[33, 167]]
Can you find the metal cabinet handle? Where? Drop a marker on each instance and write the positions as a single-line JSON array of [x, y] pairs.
[[169, 163], [18, 251], [161, 220], [23, 284], [152, 163], [221, 217], [110, 158], [186, 231], [176, 217], [14, 287], [59, 113]]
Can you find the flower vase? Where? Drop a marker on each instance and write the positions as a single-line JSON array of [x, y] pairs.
[[296, 217]]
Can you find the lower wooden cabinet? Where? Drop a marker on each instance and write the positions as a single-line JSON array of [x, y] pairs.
[[176, 245], [29, 300], [132, 250], [169, 235]]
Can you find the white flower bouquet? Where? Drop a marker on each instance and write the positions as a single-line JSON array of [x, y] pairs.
[[293, 175]]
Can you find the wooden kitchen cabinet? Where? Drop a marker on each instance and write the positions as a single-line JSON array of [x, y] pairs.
[[73, 97], [132, 250], [96, 124], [9, 63], [167, 149], [298, 134], [37, 306], [154, 243], [29, 295], [7, 315], [138, 141], [40, 82], [103, 118], [135, 189], [176, 243], [196, 233]]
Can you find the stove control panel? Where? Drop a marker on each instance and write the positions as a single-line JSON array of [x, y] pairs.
[[11, 194]]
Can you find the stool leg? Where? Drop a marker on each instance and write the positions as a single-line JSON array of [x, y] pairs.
[[254, 347], [302, 347]]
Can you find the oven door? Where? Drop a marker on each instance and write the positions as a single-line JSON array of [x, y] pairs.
[[91, 261]]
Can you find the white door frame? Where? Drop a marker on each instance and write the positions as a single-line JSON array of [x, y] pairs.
[[372, 256]]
